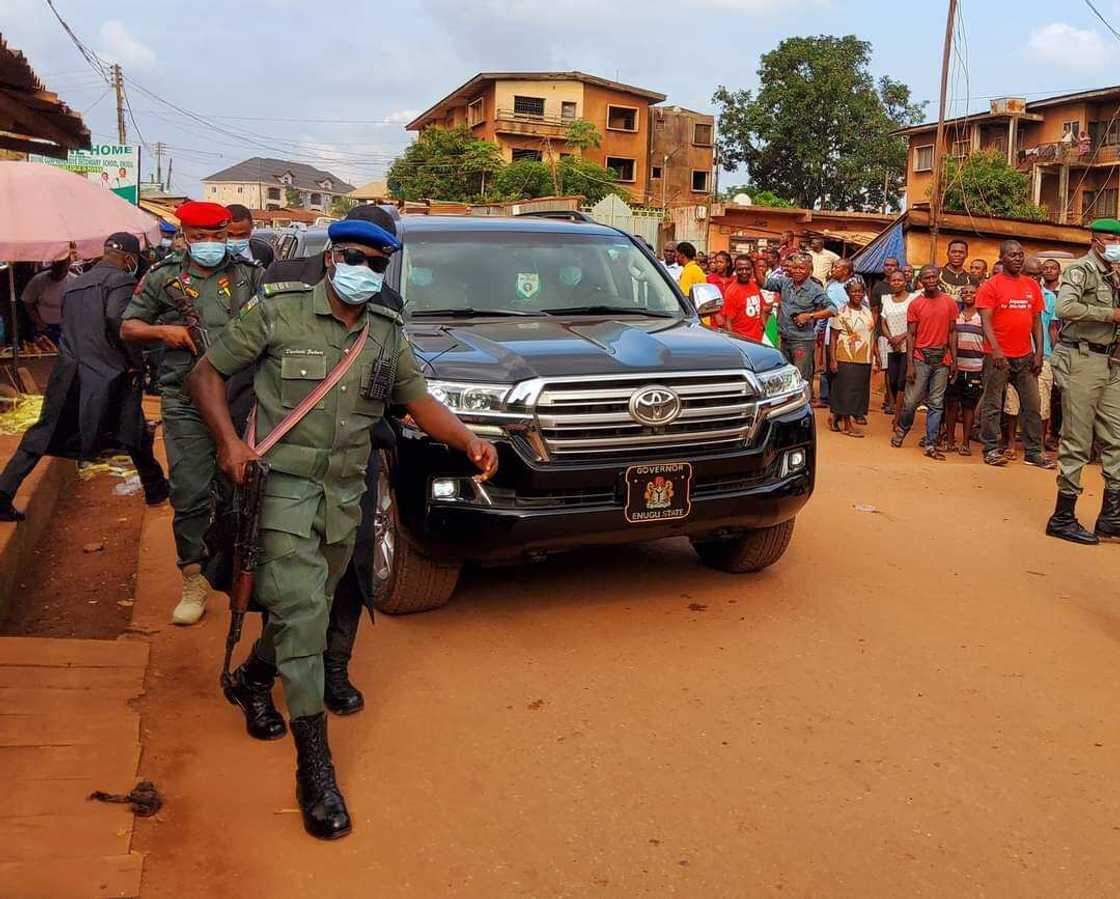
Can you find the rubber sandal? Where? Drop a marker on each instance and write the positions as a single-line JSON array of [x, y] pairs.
[[896, 440], [964, 450], [995, 457], [852, 433], [932, 452], [1040, 462]]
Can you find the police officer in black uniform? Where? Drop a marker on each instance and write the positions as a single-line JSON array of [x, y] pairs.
[[92, 401]]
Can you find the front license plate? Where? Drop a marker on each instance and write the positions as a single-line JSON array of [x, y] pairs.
[[658, 492]]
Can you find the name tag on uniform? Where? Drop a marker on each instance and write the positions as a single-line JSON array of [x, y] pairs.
[[304, 353]]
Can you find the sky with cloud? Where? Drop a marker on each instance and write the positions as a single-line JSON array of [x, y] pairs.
[[334, 85]]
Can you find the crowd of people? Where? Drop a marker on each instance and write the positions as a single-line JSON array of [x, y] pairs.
[[973, 347]]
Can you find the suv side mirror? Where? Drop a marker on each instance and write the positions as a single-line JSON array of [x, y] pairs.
[[707, 298]]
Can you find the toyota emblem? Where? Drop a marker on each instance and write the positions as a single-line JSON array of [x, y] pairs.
[[655, 406]]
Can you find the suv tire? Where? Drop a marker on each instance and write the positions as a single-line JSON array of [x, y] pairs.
[[404, 580], [753, 551]]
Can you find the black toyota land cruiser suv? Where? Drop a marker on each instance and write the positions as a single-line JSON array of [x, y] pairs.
[[618, 417]]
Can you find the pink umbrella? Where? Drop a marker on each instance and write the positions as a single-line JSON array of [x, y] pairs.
[[44, 209]]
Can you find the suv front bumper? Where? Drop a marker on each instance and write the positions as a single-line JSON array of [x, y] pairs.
[[533, 508]]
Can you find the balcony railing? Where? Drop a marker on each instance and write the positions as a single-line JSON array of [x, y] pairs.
[[1083, 153], [510, 115]]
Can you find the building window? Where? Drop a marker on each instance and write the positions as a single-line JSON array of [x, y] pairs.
[[623, 167], [961, 148], [240, 189], [702, 135], [656, 172], [1073, 128], [1106, 134], [700, 182], [519, 153], [274, 193], [1098, 204], [475, 113], [923, 159], [533, 107], [568, 110], [622, 118], [316, 200]]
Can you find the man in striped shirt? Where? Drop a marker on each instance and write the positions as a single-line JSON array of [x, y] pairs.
[[966, 380]]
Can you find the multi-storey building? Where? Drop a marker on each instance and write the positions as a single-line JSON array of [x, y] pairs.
[[527, 114], [262, 183], [1069, 146]]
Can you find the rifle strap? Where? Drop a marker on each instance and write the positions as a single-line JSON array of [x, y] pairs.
[[309, 402]]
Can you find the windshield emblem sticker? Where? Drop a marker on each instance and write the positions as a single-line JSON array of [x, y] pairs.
[[528, 285]]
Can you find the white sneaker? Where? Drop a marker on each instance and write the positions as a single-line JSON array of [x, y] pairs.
[[192, 602]]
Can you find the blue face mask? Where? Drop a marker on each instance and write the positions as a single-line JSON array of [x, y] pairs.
[[237, 245], [165, 242], [208, 253], [1112, 252], [355, 284]]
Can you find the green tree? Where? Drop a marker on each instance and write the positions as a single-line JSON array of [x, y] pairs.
[[445, 164], [583, 135], [759, 197], [985, 184], [292, 198], [523, 179], [578, 176], [818, 130], [341, 205]]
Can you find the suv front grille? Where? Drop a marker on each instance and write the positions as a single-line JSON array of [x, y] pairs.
[[590, 418]]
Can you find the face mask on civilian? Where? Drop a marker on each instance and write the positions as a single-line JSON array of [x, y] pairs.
[[1112, 252], [165, 242], [237, 245], [355, 284], [208, 252]]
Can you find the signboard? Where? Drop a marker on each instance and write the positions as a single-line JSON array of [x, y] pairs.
[[112, 166]]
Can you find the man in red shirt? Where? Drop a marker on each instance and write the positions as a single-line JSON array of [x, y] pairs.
[[1011, 309], [930, 321], [743, 309]]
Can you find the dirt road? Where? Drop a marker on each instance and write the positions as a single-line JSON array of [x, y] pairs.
[[916, 701]]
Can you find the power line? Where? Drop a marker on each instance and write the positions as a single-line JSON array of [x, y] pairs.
[[92, 58], [1104, 21]]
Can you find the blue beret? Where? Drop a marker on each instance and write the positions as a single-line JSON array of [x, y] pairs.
[[166, 227], [366, 233]]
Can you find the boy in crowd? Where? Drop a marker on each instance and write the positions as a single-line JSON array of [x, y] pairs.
[[966, 380]]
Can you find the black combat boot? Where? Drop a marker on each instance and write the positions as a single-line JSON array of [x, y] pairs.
[[250, 688], [339, 695], [1064, 524], [8, 512], [156, 493], [1108, 524], [324, 809]]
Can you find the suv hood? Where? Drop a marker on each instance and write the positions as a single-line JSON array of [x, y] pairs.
[[512, 350]]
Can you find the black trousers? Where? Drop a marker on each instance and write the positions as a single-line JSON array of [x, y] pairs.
[[23, 462]]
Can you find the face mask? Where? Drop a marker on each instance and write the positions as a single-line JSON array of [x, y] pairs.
[[165, 242], [571, 275], [208, 253], [1112, 252], [355, 284], [237, 245]]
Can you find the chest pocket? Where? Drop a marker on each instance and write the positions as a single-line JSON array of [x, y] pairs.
[[299, 375]]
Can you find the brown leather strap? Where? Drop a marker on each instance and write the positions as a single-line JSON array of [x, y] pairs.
[[309, 402]]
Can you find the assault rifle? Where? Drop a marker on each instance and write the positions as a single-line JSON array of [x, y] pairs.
[[248, 499]]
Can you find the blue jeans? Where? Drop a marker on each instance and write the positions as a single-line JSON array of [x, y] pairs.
[[929, 384]]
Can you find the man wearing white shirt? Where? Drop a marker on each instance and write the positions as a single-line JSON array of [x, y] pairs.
[[822, 260], [670, 263]]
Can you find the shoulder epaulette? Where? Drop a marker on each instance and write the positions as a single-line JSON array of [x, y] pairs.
[[385, 312], [278, 287]]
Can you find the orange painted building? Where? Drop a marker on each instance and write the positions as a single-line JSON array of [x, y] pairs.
[[1068, 145], [527, 114]]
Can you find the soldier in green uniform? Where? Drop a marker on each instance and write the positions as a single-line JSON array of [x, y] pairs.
[[1086, 365], [203, 287], [296, 336]]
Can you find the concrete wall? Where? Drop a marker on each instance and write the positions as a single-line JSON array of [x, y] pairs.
[[554, 94], [673, 137], [624, 144], [254, 194]]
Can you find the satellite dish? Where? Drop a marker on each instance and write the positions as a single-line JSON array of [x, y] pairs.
[[741, 199]]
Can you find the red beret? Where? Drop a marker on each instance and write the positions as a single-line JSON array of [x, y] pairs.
[[193, 214]]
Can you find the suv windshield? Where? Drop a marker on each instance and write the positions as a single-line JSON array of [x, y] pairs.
[[531, 272]]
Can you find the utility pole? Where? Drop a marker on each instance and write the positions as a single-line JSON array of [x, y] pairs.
[[938, 153], [158, 150], [169, 161], [118, 86]]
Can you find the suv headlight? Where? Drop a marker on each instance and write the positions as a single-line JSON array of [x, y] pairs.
[[781, 382], [470, 399]]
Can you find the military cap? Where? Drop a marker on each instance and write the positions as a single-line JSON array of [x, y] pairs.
[[166, 228], [194, 214], [1105, 226], [365, 233], [123, 241]]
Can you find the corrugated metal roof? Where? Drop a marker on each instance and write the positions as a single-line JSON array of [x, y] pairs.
[[35, 120]]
